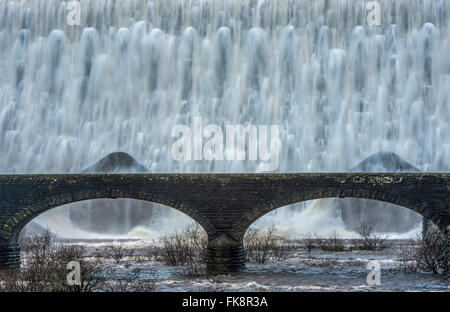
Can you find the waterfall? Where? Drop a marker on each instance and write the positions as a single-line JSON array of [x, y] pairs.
[[340, 89]]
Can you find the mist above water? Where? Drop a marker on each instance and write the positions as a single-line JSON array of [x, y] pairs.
[[339, 89]]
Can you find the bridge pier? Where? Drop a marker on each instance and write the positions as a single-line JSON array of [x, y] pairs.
[[225, 255], [447, 252], [9, 255], [425, 226]]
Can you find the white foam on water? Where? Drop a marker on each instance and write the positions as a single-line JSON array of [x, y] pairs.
[[316, 218]]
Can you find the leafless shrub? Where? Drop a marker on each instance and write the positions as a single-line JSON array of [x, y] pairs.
[[10, 280], [187, 247], [101, 253], [45, 268], [407, 259], [42, 269], [263, 246], [67, 253], [332, 243], [39, 247], [426, 254], [430, 252], [370, 240], [147, 280], [151, 252], [309, 241], [25, 239], [116, 252]]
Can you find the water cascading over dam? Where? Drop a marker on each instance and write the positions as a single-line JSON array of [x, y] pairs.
[[340, 89]]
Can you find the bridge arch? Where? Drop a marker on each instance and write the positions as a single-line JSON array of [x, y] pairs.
[[263, 209], [26, 214]]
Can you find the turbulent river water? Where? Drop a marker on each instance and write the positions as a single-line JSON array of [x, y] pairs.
[[339, 88]]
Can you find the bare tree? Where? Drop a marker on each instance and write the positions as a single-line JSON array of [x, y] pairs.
[[45, 268], [309, 241], [407, 259], [369, 239], [333, 242], [188, 247], [263, 245], [116, 252], [430, 252], [427, 253]]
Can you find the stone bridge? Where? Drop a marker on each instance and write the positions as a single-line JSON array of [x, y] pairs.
[[225, 205]]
